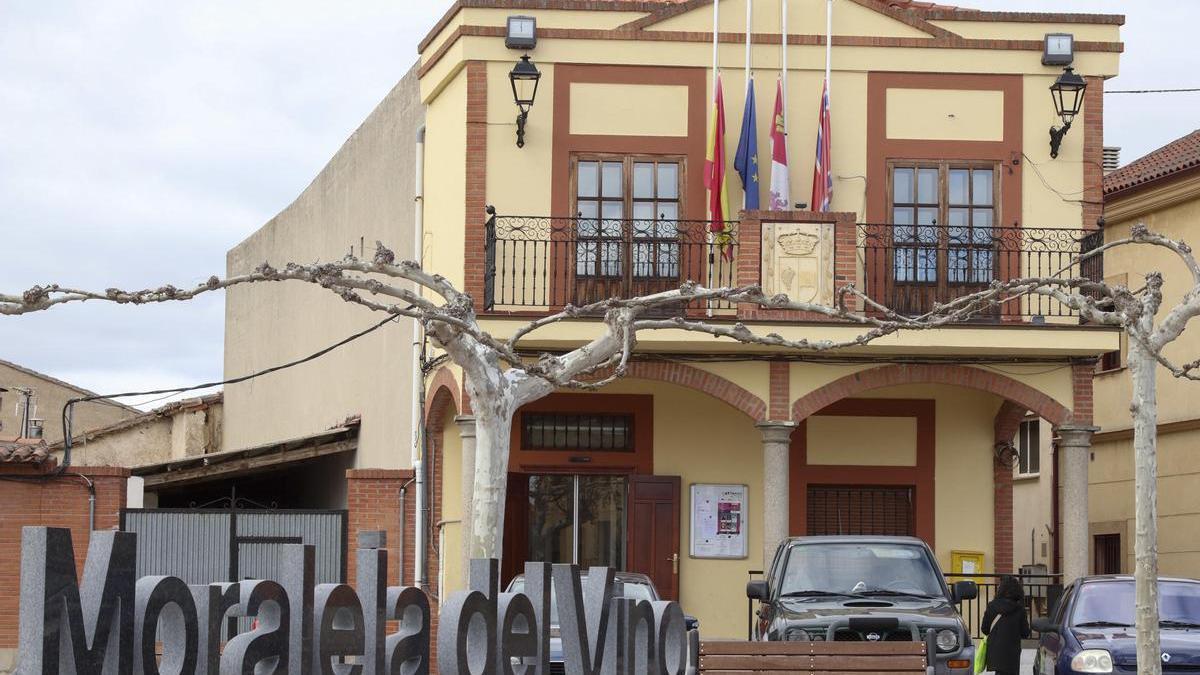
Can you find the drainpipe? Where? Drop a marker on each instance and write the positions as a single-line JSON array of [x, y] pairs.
[[420, 544]]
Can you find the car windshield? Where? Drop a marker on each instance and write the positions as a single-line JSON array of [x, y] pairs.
[[859, 569], [635, 590], [1110, 603]]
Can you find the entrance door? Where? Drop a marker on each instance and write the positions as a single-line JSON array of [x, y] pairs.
[[654, 531], [1107, 554], [882, 510]]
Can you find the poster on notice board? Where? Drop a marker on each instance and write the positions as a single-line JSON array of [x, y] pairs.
[[718, 521]]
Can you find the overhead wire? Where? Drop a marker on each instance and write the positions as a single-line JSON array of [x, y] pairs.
[[68, 409]]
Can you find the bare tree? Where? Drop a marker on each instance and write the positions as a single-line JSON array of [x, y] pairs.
[[500, 378]]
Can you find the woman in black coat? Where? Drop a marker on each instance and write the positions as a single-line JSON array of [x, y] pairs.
[[1005, 624]]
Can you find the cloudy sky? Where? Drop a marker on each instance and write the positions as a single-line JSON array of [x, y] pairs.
[[140, 139]]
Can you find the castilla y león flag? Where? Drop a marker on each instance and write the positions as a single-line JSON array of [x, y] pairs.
[[781, 198]]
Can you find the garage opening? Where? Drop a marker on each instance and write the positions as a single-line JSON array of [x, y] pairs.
[[882, 510]]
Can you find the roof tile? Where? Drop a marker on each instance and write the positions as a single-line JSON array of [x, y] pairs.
[[1173, 158], [24, 451]]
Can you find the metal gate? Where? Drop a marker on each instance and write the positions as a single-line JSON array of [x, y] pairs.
[[203, 546]]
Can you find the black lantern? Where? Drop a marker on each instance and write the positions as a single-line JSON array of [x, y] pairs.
[[524, 78], [1067, 92]]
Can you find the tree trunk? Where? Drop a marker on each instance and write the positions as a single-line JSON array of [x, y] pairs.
[[1144, 409], [493, 436]]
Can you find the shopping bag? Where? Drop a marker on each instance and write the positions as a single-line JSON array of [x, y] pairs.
[[981, 657]]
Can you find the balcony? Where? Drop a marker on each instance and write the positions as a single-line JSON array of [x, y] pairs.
[[538, 264]]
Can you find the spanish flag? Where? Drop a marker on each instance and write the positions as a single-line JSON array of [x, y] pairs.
[[714, 171], [714, 164]]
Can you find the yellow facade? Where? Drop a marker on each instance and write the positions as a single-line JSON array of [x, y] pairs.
[[1169, 206], [628, 86]]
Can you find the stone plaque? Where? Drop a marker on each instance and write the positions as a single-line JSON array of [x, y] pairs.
[[797, 260]]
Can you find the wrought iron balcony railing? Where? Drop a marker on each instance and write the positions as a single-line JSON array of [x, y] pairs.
[[910, 268], [546, 262], [535, 264]]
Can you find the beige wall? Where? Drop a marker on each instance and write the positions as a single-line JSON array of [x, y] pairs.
[[364, 194], [49, 397], [1033, 507]]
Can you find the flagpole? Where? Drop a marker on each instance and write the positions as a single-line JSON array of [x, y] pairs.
[[783, 44], [715, 68], [749, 5], [828, 38]]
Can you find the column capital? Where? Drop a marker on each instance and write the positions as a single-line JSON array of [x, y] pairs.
[[466, 425], [776, 431], [1076, 435]]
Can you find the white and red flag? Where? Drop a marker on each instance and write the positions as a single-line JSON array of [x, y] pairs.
[[822, 192], [781, 198]]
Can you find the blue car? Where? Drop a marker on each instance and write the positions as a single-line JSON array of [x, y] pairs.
[[1091, 628]]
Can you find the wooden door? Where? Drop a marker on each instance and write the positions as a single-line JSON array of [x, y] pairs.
[[653, 531], [516, 528]]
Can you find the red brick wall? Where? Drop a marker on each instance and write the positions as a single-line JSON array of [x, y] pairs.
[[373, 501], [57, 502]]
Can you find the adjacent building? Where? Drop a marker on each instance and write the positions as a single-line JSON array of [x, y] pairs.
[[31, 404], [1161, 190]]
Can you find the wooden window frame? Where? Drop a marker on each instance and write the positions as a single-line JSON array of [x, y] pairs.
[[1026, 450], [640, 407], [942, 246], [627, 238]]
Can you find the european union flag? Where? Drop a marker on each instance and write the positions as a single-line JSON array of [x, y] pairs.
[[746, 159]]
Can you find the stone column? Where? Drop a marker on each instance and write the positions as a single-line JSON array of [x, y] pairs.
[[1074, 450], [777, 445], [466, 428]]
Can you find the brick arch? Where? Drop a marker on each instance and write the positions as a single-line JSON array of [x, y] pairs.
[[960, 376], [443, 391], [703, 381]]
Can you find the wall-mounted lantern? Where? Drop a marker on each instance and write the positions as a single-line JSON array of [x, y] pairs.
[[1067, 92], [524, 78]]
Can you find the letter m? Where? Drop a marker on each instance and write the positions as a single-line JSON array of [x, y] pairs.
[[68, 629]]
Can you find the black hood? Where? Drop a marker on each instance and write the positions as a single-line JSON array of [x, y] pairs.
[[1182, 647]]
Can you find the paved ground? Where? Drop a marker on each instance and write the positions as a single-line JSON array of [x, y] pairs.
[[1027, 661]]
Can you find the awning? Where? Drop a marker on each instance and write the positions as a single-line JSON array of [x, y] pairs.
[[230, 463]]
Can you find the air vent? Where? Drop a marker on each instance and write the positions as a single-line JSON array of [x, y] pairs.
[[1112, 159]]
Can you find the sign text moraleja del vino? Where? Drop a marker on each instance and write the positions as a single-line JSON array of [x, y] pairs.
[[114, 623]]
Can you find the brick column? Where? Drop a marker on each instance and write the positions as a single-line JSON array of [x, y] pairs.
[[845, 255], [476, 179], [1008, 421], [1093, 152]]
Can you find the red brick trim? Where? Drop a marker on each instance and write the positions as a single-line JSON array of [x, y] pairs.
[[442, 383], [1082, 374], [1093, 153], [780, 389], [1008, 420], [701, 380], [1022, 17], [476, 181], [920, 373], [765, 39]]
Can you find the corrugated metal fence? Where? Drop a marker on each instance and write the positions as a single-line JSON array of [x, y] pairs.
[[202, 546]]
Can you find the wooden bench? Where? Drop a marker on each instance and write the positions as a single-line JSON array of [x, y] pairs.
[[862, 658]]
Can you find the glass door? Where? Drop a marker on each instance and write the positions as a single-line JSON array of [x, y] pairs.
[[577, 519]]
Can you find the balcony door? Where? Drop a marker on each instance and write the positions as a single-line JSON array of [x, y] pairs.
[[943, 238], [628, 238]]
